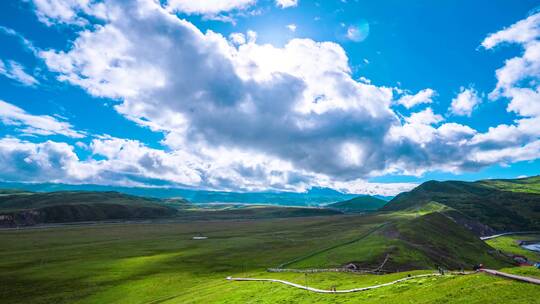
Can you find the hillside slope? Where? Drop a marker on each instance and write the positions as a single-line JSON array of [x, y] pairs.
[[407, 243], [359, 204], [26, 208], [503, 205], [29, 208]]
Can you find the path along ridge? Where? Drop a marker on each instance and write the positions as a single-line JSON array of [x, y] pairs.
[[333, 291], [488, 271]]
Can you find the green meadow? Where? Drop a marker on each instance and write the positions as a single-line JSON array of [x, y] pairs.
[[160, 263]]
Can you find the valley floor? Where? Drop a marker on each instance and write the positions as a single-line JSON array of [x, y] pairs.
[[161, 263]]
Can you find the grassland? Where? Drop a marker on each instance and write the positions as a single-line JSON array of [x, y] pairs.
[[160, 263], [525, 185], [420, 242], [509, 244]]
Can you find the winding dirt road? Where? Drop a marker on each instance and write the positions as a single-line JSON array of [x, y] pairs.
[[333, 291], [489, 237], [488, 271], [512, 276]]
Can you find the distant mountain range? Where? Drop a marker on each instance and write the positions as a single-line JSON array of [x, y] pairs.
[[30, 208], [484, 207], [19, 208], [314, 197]]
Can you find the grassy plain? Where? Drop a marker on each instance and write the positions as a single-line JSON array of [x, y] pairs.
[[160, 263]]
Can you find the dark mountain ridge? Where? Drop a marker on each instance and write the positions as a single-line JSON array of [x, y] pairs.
[[315, 196], [359, 204], [18, 208], [502, 205]]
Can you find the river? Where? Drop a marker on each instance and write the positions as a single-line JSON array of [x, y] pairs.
[[533, 247]]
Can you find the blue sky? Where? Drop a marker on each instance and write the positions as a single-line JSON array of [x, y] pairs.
[[359, 96]]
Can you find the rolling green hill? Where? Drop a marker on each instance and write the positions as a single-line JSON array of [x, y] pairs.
[[526, 185], [409, 242], [19, 208], [503, 205], [359, 204], [142, 263], [26, 208]]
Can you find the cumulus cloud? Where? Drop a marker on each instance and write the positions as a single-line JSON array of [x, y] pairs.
[[286, 3], [465, 102], [255, 97], [130, 163], [40, 162], [238, 114], [14, 70], [208, 6], [11, 115], [237, 38], [423, 96], [417, 127], [518, 81], [426, 117]]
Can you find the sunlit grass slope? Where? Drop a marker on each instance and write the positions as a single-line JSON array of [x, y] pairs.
[[421, 242], [160, 263], [503, 205]]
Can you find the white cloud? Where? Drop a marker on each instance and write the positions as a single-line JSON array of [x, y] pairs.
[[518, 81], [423, 96], [251, 36], [295, 91], [425, 117], [362, 187], [41, 162], [237, 38], [522, 32], [418, 127], [455, 133], [133, 158], [507, 155], [286, 3], [465, 102], [14, 70], [241, 115], [292, 27], [67, 11], [208, 6], [11, 115], [519, 78], [130, 163]]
